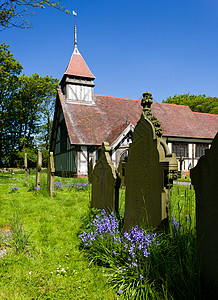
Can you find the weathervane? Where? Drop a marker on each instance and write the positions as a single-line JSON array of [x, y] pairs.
[[75, 36]]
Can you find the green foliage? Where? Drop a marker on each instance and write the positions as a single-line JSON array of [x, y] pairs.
[[13, 13], [19, 239], [27, 104], [197, 103]]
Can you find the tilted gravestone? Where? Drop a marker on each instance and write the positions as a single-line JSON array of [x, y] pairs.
[[204, 177], [25, 164], [150, 170], [38, 169], [50, 175], [103, 181]]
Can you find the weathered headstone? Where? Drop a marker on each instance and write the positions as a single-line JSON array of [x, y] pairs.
[[150, 170], [50, 175], [204, 177], [25, 165], [103, 181], [90, 170], [38, 169]]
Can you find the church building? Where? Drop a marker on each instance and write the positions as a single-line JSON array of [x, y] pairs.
[[83, 120]]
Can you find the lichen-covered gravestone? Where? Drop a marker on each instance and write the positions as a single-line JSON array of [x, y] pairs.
[[38, 169], [50, 175], [204, 177], [103, 181], [150, 170]]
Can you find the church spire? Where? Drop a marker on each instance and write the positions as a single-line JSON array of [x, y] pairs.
[[77, 83]]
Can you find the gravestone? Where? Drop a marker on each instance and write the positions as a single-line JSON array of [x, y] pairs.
[[90, 170], [180, 172], [121, 171], [150, 170], [50, 175], [103, 181], [38, 169], [25, 164], [204, 177]]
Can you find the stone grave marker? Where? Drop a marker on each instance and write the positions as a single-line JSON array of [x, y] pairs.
[[50, 175], [25, 165], [103, 181], [38, 169], [150, 170], [204, 177], [90, 170], [121, 172]]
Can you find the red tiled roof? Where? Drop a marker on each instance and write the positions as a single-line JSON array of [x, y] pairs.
[[92, 124], [78, 67], [116, 132]]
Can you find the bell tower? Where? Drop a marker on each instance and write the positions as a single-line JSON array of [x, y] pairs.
[[77, 82]]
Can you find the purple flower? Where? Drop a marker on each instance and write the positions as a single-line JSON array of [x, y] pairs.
[[36, 188], [58, 185], [141, 277], [14, 188], [176, 225], [120, 291]]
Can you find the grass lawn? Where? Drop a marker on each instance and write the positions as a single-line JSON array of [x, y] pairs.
[[52, 226], [51, 266]]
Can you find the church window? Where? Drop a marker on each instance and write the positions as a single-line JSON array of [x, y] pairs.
[[200, 149], [180, 149]]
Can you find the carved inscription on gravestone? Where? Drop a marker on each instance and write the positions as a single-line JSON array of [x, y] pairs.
[[204, 177], [149, 171], [103, 181]]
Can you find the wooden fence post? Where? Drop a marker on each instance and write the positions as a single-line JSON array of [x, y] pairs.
[[50, 175], [38, 169]]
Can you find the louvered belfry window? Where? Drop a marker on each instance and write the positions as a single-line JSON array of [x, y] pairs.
[[180, 149], [200, 149]]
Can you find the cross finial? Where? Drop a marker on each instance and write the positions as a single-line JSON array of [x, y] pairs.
[[75, 35]]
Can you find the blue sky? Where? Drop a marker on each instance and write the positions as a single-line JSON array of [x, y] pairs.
[[166, 47]]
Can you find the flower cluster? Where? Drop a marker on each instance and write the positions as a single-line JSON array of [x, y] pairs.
[[78, 185], [102, 225], [58, 185], [137, 242], [60, 271], [134, 243], [14, 189], [81, 185], [176, 225]]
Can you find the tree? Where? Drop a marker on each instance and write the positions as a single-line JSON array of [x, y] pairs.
[[197, 103], [14, 13], [26, 105], [10, 70]]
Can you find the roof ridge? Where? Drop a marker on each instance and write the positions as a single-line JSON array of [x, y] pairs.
[[173, 104], [197, 112], [116, 97]]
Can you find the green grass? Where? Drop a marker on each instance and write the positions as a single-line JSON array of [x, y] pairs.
[[50, 227], [43, 242]]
